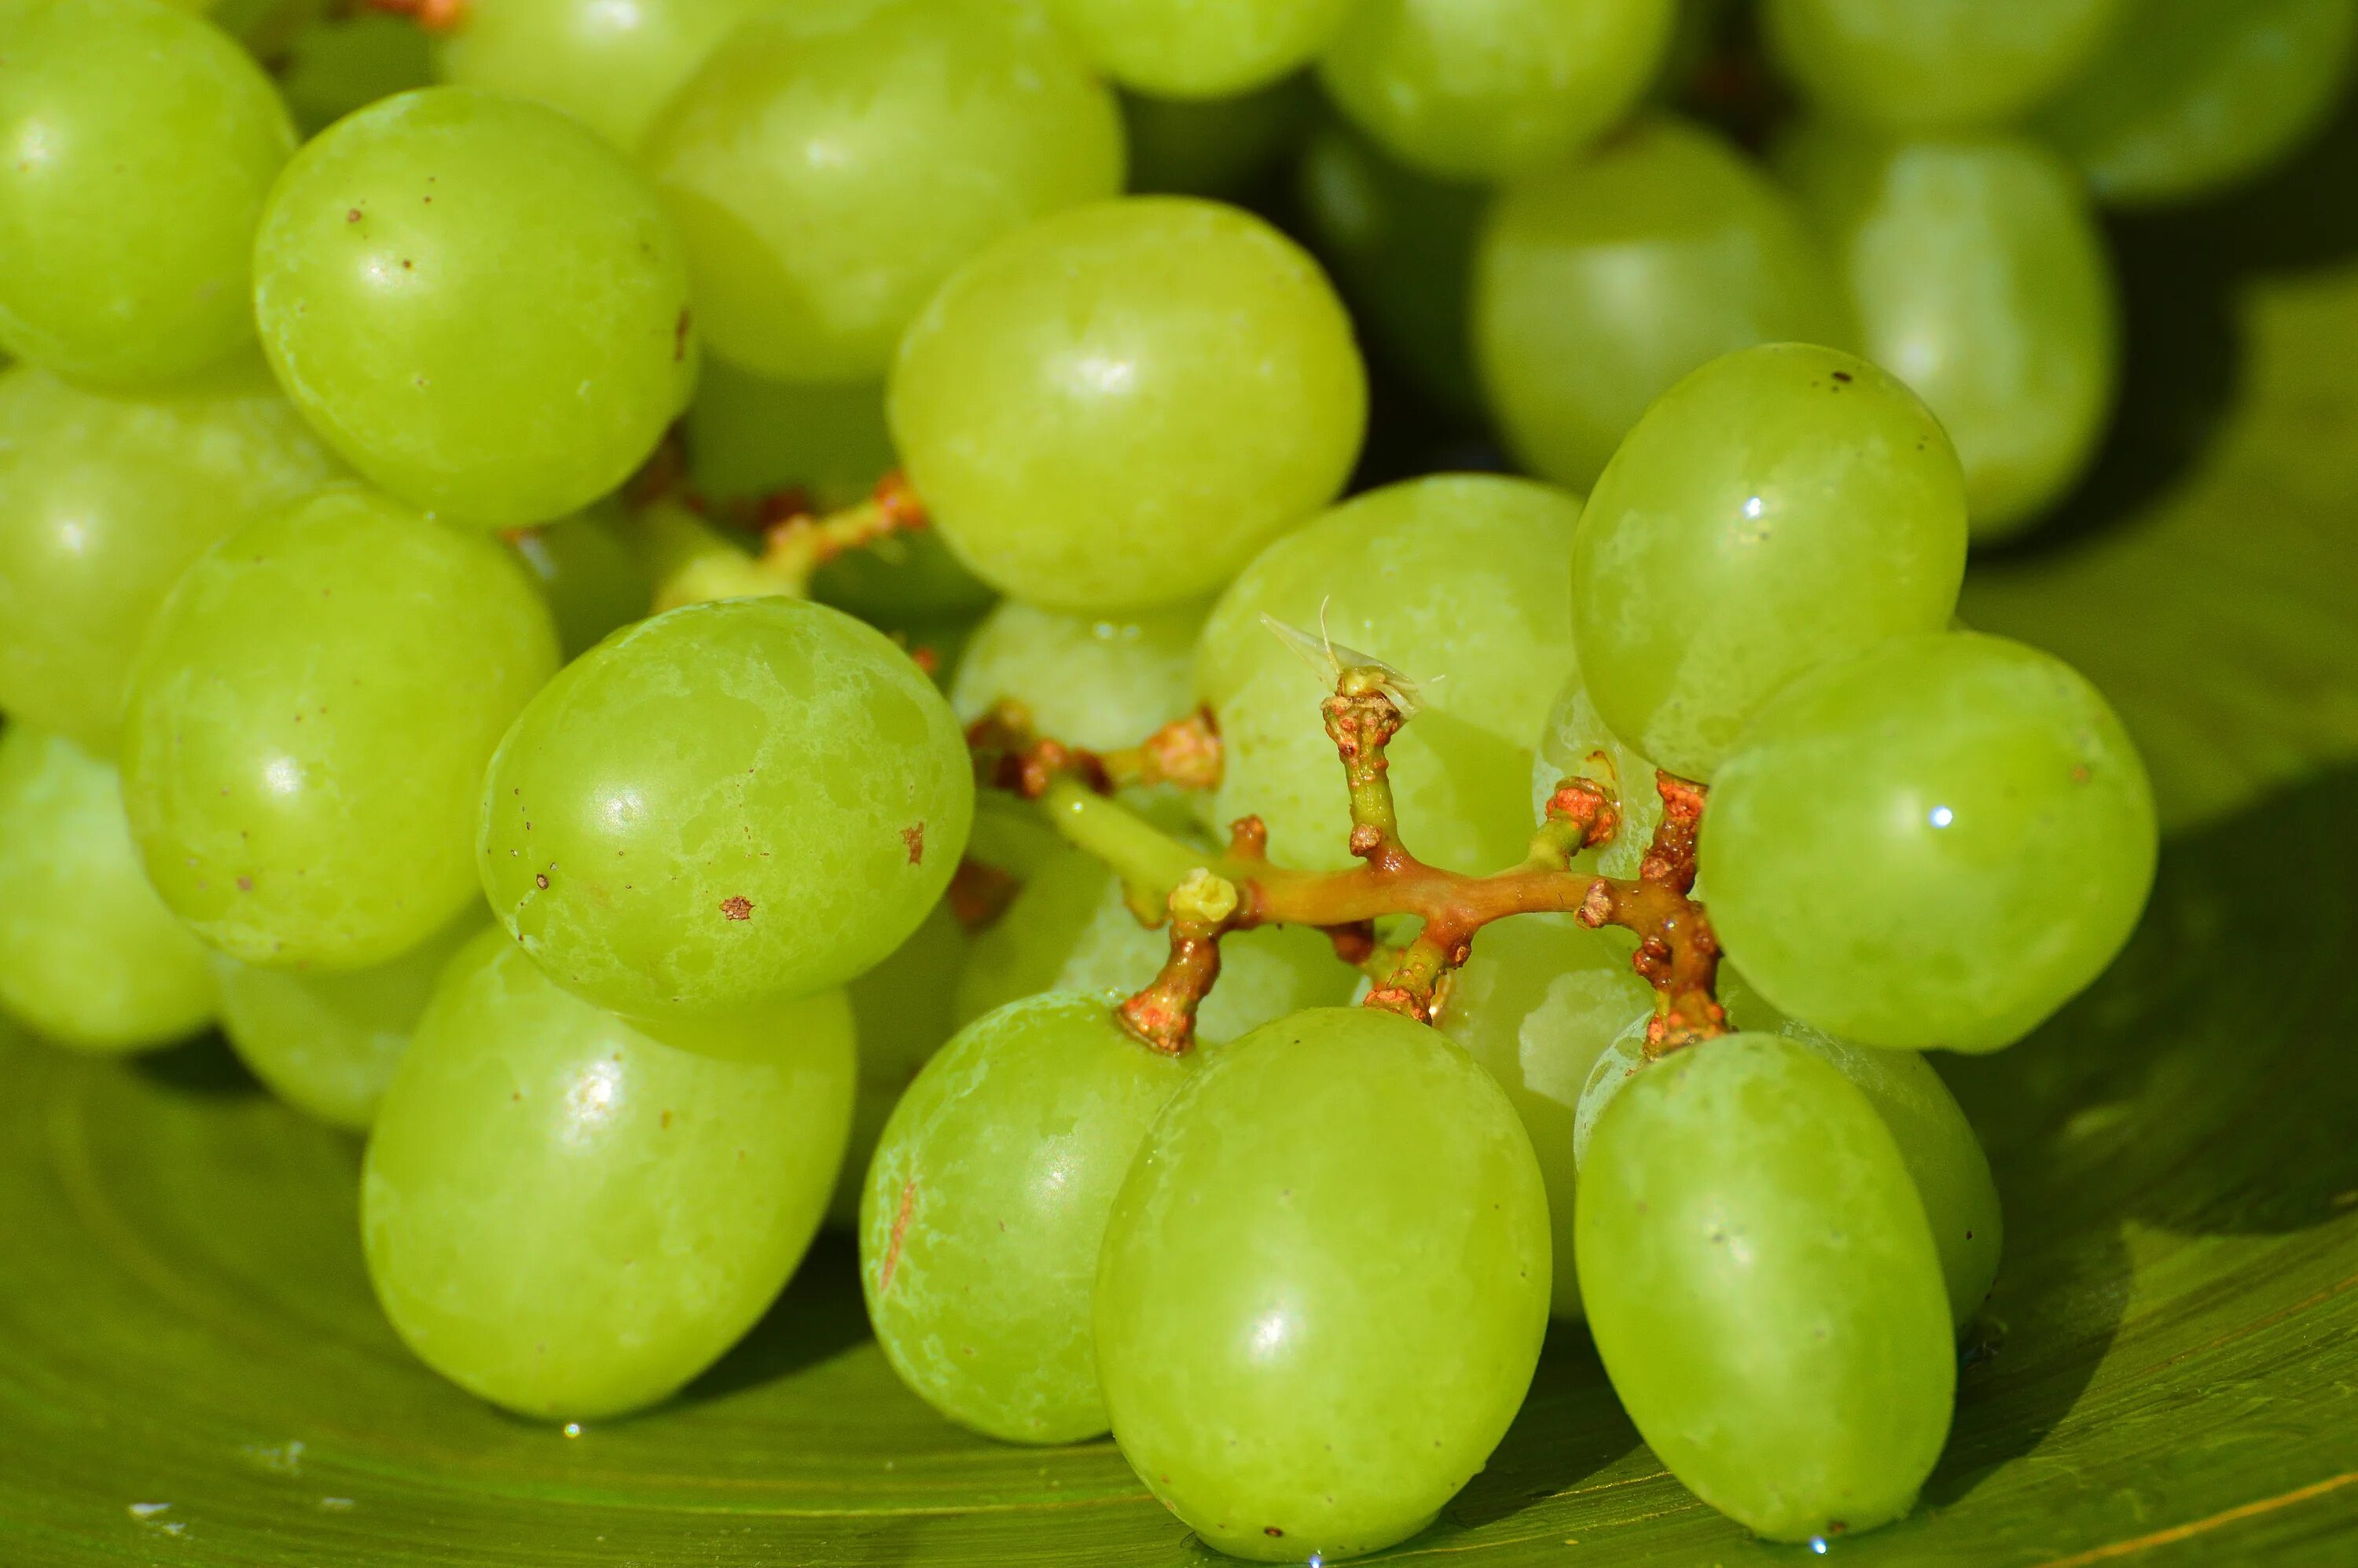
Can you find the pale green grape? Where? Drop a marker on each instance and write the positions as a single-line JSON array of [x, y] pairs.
[[839, 158], [1200, 48], [725, 805], [1539, 1002], [2193, 95], [1935, 842], [141, 143], [1781, 506], [571, 1218], [1572, 738], [903, 1010], [594, 582], [103, 501], [1763, 1288], [1214, 146], [1935, 65], [1069, 930], [980, 1222], [1323, 1286], [328, 1043], [308, 721], [343, 63], [1458, 581], [1486, 89], [477, 302], [1980, 278], [609, 66], [1102, 681], [89, 955], [1598, 285], [1114, 408]]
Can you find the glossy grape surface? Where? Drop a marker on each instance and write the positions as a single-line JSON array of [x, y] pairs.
[[1488, 89], [89, 955], [1457, 580], [725, 805], [1097, 681], [141, 143], [1763, 1288], [987, 1202], [103, 501], [1113, 409], [592, 578], [304, 749], [612, 67], [1598, 285], [1200, 48], [904, 1007], [1935, 65], [1323, 1286], [477, 302], [1780, 507], [836, 161], [1980, 278], [1936, 842], [566, 1217]]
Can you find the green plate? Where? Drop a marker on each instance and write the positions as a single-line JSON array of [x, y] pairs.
[[192, 1370]]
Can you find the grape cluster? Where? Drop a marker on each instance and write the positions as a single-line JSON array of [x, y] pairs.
[[685, 616]]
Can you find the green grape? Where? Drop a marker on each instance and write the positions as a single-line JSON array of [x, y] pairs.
[[1598, 285], [983, 1215], [1098, 682], [308, 723], [839, 158], [89, 955], [328, 1043], [1010, 836], [1568, 744], [612, 67], [103, 501], [339, 64], [142, 142], [1399, 243], [569, 1218], [1539, 999], [1488, 89], [1114, 408], [1980, 278], [903, 1010], [1763, 1288], [1069, 930], [1458, 581], [477, 302], [1214, 146], [1782, 506], [725, 805], [2190, 96], [1200, 48], [1934, 65], [594, 581], [1323, 1286], [1938, 842]]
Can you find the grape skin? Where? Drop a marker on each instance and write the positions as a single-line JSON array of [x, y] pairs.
[[1200, 48], [1101, 682], [1936, 65], [904, 1013], [610, 67]]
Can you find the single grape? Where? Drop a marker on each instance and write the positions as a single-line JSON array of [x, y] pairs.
[[983, 1215], [105, 500], [89, 958], [1488, 89], [1598, 285], [341, 63], [1781, 506], [565, 1216], [1935, 65], [328, 1043], [1200, 48], [141, 141], [477, 302], [2190, 96], [1763, 1288], [1458, 581], [594, 581], [308, 723], [1214, 146], [1069, 930], [612, 67], [1114, 408], [1539, 999], [903, 1010], [726, 804], [1323, 1286], [1096, 681], [1568, 746], [1938, 842], [837, 160]]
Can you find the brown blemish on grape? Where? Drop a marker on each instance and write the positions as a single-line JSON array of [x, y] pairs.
[[245, 885], [914, 839], [737, 907], [666, 1119], [900, 1234], [353, 215], [1270, 1530], [1843, 376], [679, 335], [540, 880]]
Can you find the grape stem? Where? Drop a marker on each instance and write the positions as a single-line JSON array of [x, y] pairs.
[[692, 561], [1204, 895]]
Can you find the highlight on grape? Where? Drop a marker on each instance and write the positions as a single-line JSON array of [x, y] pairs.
[[1271, 688]]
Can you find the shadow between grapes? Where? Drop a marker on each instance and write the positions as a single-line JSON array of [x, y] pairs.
[[201, 1069], [819, 1316]]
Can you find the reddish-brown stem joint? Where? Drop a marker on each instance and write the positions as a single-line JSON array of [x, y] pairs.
[[1163, 1015], [434, 15], [1011, 754]]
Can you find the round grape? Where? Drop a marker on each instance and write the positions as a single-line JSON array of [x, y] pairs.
[[1935, 65], [1100, 682], [612, 67], [1200, 48]]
